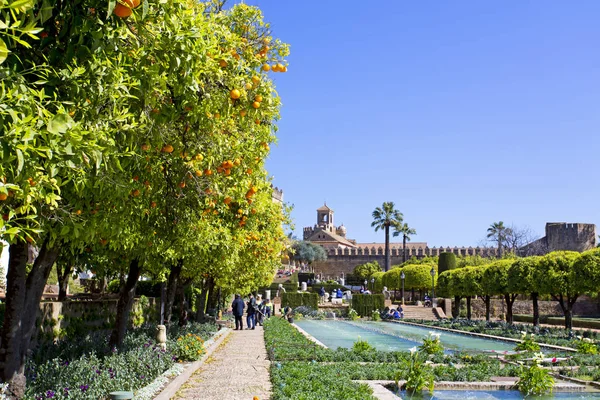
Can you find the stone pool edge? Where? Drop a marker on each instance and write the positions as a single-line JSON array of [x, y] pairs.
[[309, 336], [381, 392], [483, 335]]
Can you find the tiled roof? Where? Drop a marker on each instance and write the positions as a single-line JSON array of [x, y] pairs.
[[329, 237], [324, 208]]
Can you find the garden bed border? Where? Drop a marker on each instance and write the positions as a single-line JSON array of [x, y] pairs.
[[483, 335], [172, 387]]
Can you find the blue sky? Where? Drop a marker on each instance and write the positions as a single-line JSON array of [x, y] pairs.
[[462, 113]]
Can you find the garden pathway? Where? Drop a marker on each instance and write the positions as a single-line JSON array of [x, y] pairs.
[[237, 370]]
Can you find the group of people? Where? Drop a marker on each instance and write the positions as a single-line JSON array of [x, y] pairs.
[[393, 313], [257, 310]]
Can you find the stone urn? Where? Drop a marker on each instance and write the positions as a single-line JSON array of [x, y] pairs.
[[161, 336]]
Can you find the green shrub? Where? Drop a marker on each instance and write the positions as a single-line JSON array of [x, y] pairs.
[[188, 347], [560, 321], [418, 376], [365, 304], [528, 344], [114, 286], [294, 300], [362, 346], [352, 314], [586, 346], [431, 344], [446, 262], [535, 380]]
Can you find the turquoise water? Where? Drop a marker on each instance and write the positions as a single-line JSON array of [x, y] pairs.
[[387, 336], [496, 395]]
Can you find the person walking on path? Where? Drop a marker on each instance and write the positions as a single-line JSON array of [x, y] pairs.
[[268, 308], [238, 312], [250, 315]]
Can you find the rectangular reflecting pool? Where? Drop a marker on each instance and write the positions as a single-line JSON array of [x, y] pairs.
[[496, 395], [388, 336]]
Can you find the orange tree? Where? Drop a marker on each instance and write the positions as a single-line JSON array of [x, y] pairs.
[[115, 128]]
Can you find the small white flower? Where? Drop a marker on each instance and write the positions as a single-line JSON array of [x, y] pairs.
[[413, 350], [579, 337], [588, 340], [532, 335]]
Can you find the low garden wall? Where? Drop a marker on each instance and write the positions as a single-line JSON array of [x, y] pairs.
[[58, 319]]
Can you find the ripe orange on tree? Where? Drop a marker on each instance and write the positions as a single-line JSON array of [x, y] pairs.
[[167, 148], [266, 67], [248, 86], [182, 184], [3, 196], [256, 104], [258, 98], [256, 79], [243, 113], [145, 147], [198, 172], [223, 63], [235, 94]]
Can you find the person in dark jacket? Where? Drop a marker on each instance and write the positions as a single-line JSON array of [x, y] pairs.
[[238, 312], [250, 313], [322, 294]]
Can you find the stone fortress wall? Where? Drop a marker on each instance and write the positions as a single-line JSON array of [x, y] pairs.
[[559, 236], [344, 260]]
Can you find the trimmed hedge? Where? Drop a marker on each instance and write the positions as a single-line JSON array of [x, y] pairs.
[[300, 299], [446, 262], [560, 321], [365, 304]]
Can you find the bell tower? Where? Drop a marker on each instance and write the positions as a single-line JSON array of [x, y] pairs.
[[325, 218]]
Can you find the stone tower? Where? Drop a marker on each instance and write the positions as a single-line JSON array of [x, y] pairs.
[[325, 218], [567, 236]]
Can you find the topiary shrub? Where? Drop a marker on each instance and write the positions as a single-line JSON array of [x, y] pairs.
[[294, 300], [365, 304], [446, 262]]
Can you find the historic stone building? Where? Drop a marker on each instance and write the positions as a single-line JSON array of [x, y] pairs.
[[344, 254]]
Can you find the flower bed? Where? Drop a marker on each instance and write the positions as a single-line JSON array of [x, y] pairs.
[[82, 368]]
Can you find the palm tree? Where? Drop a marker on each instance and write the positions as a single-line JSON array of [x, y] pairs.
[[405, 231], [497, 232], [383, 218]]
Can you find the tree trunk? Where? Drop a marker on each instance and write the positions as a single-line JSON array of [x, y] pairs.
[[469, 307], [63, 280], [403, 249], [23, 295], [387, 248], [213, 296], [201, 303], [536, 309], [125, 303], [509, 299], [568, 318], [456, 308], [172, 284], [183, 315], [487, 307]]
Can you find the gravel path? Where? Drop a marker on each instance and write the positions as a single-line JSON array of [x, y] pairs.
[[237, 370]]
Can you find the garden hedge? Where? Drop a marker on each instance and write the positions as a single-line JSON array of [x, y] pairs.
[[560, 321], [365, 304], [446, 262], [294, 300]]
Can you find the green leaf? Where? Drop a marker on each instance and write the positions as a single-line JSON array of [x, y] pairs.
[[144, 8], [21, 161], [58, 124], [45, 11], [3, 51], [65, 230], [111, 7]]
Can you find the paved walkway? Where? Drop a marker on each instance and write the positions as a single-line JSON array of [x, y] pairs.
[[237, 370]]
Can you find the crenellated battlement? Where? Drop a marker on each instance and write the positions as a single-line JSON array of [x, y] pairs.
[[277, 194], [412, 251]]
